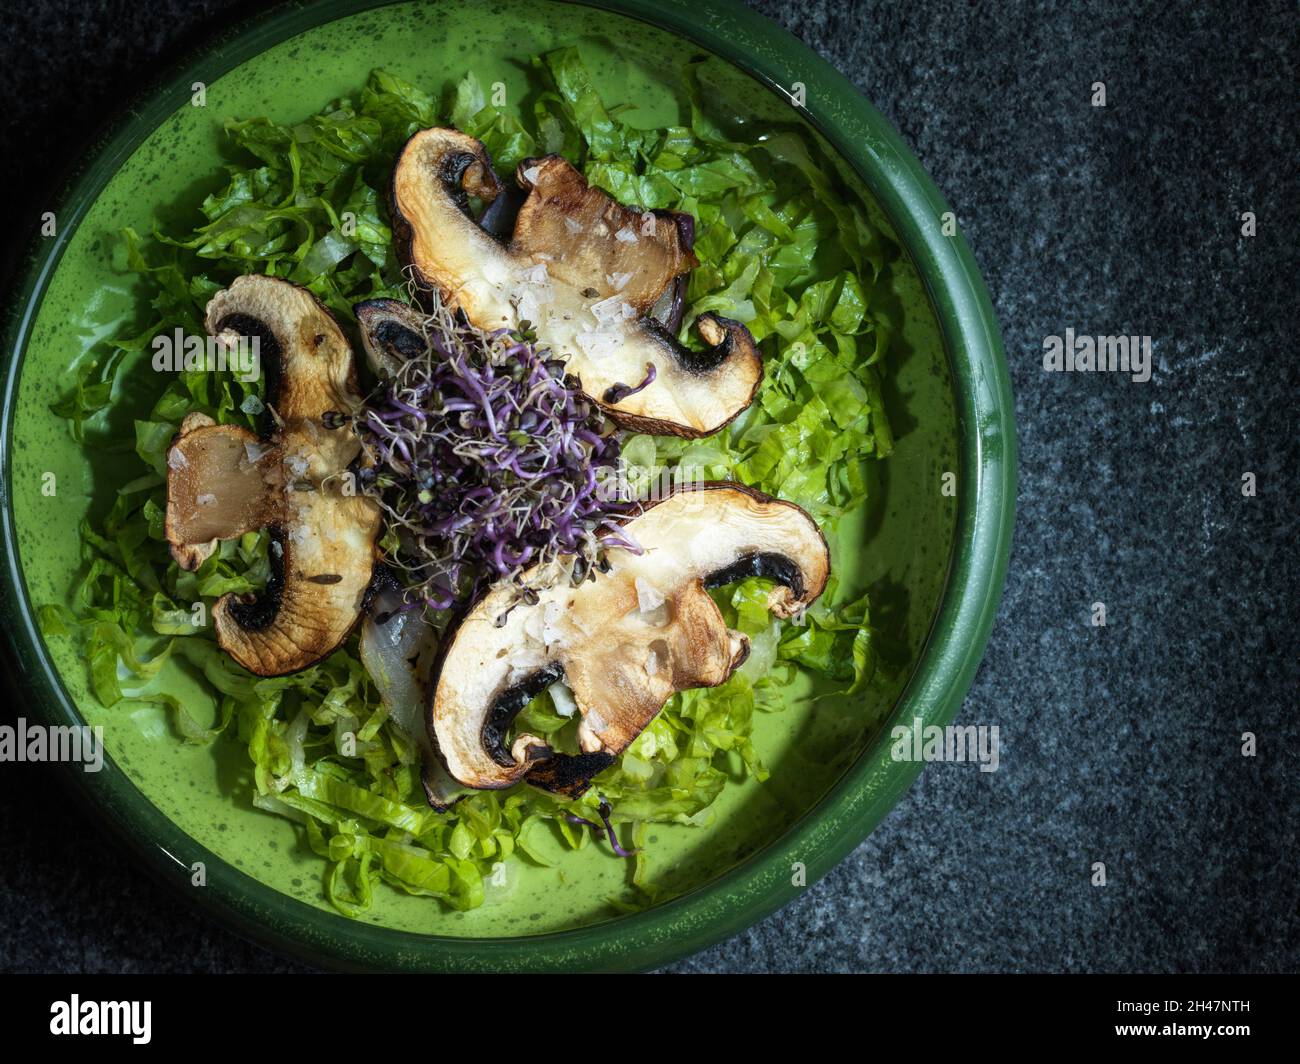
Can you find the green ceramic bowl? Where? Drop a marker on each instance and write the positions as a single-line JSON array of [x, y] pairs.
[[935, 563]]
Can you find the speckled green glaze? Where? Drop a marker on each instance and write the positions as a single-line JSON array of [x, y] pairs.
[[935, 564]]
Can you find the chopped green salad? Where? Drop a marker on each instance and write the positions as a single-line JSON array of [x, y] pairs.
[[782, 248]]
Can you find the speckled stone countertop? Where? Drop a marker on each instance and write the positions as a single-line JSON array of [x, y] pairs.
[[1120, 744]]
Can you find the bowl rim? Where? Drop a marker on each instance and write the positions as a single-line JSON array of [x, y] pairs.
[[868, 789]]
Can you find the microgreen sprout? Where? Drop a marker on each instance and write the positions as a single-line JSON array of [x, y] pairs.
[[488, 460]]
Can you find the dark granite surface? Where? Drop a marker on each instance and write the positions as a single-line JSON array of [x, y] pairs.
[[1119, 744]]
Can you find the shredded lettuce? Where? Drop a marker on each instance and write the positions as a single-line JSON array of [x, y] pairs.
[[780, 247]]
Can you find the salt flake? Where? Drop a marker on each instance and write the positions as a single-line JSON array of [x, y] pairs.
[[611, 309], [565, 704], [648, 597], [597, 343]]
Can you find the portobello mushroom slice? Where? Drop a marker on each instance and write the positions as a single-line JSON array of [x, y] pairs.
[[587, 272], [392, 332], [624, 640], [292, 479]]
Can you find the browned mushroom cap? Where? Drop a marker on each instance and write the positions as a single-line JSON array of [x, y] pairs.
[[218, 487], [584, 270], [224, 481], [624, 642], [574, 228]]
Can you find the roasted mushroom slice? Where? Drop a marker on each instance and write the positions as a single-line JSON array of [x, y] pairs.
[[219, 481], [293, 479], [623, 641], [392, 333], [587, 272], [589, 240]]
